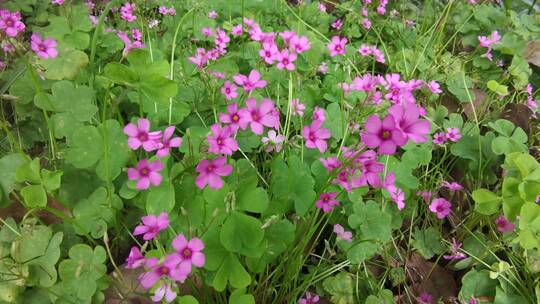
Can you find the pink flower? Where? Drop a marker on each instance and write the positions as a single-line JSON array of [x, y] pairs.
[[166, 269], [135, 258], [146, 173], [309, 298], [10, 23], [383, 134], [207, 31], [455, 253], [426, 195], [189, 252], [439, 138], [330, 163], [57, 2], [337, 46], [200, 59], [299, 44], [167, 142], [212, 15], [287, 37], [323, 68], [43, 48], [297, 107], [164, 291], [127, 12], [434, 87], [488, 42], [316, 136], [366, 23], [342, 234], [251, 82], [364, 50], [327, 201], [259, 116], [152, 225], [397, 195], [318, 114], [140, 135], [273, 141], [233, 117], [237, 30], [407, 121], [337, 24], [504, 225], [269, 52], [211, 171], [452, 186], [321, 7], [221, 141], [222, 39], [441, 207], [285, 60], [229, 89], [425, 298], [453, 134], [136, 34]]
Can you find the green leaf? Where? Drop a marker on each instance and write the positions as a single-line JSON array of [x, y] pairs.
[[187, 300], [239, 296], [115, 153], [477, 284], [487, 202], [428, 242], [241, 231], [31, 243], [340, 287], [252, 199], [121, 74], [460, 85], [66, 66], [34, 196], [384, 296], [86, 147], [42, 269], [76, 101], [81, 272], [51, 180], [160, 199], [371, 221], [500, 89], [231, 271], [521, 71], [29, 172], [95, 213], [293, 182], [8, 168], [334, 120]]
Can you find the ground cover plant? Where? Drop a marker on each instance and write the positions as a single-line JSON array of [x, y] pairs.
[[276, 151]]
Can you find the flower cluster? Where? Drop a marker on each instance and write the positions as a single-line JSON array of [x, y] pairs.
[[10, 23], [127, 12], [135, 42], [171, 11], [173, 267], [366, 50], [451, 134], [488, 43], [140, 136]]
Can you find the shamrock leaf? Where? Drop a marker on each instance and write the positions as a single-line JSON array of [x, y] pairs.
[[428, 242], [96, 212], [66, 66], [231, 271], [81, 272], [340, 287], [241, 232], [372, 222]]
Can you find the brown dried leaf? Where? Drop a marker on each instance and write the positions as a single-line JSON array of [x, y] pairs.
[[478, 102], [425, 276], [532, 52], [519, 114]]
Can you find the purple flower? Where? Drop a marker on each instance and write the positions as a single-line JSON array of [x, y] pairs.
[[297, 108], [323, 68], [273, 141], [453, 134], [44, 48], [140, 135], [327, 201], [230, 90], [211, 171], [146, 173], [316, 136], [455, 253], [222, 39], [166, 269], [57, 2], [366, 23], [127, 12], [330, 163], [504, 225], [337, 46], [426, 195], [189, 252], [337, 24], [322, 8], [342, 234], [425, 298], [212, 15], [237, 30], [383, 134], [441, 207], [285, 60], [164, 291], [397, 195], [309, 298], [152, 225], [440, 138], [135, 258], [167, 142], [221, 141], [233, 117], [269, 52], [10, 23], [251, 82], [434, 87], [453, 186], [259, 116], [207, 31], [318, 114], [299, 44], [408, 122]]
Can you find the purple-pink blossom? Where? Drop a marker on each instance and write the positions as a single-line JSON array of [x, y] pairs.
[[151, 226], [425, 298], [434, 87], [327, 201], [441, 207], [164, 291], [455, 253], [251, 82], [57, 2], [337, 24], [285, 60], [166, 143], [135, 258], [383, 134], [212, 15], [273, 141], [237, 30], [127, 12], [504, 225], [342, 234], [309, 298], [156, 270], [453, 186], [140, 135], [10, 23], [230, 90], [337, 46], [44, 48], [211, 171], [189, 252], [299, 44], [453, 134], [221, 140], [297, 107], [315, 136], [259, 116], [233, 117], [269, 52], [440, 138], [146, 173], [408, 122]]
